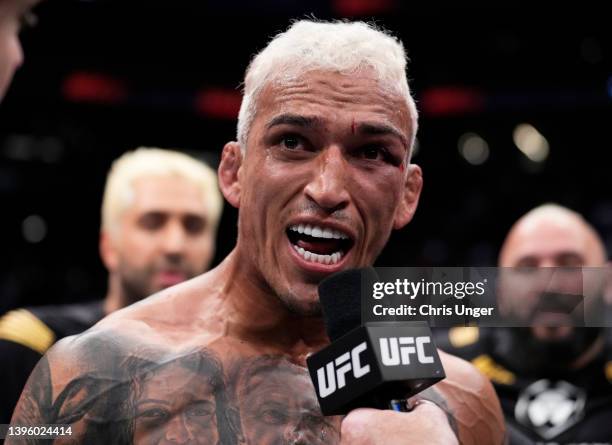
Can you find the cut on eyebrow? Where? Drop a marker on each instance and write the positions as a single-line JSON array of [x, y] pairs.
[[375, 129], [294, 119]]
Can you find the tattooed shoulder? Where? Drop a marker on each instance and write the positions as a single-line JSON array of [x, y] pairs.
[[78, 379], [117, 389]]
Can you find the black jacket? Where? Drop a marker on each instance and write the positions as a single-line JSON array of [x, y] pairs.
[[26, 334]]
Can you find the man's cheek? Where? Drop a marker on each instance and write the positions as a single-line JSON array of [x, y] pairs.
[[265, 435], [201, 251], [381, 223]]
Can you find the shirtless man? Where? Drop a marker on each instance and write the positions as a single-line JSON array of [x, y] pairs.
[[321, 176]]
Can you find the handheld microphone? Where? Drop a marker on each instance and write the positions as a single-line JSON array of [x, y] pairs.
[[377, 365]]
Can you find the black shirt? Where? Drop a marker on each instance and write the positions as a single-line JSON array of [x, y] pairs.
[[554, 406], [25, 335]]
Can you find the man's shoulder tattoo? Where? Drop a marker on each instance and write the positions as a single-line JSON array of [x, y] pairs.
[[141, 394]]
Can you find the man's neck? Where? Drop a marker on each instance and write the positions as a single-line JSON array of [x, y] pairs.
[[255, 313], [114, 299]]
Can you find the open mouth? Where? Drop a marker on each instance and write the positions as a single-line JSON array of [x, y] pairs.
[[318, 244]]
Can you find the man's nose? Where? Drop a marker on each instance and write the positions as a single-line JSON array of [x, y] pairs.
[[547, 262], [174, 238], [177, 430], [295, 436], [566, 280], [304, 429], [328, 185]]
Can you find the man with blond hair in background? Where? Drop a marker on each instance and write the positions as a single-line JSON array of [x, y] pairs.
[[160, 212]]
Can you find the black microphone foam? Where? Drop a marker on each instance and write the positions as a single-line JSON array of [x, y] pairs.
[[340, 297]]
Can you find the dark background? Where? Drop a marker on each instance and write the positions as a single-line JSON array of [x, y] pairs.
[[102, 77]]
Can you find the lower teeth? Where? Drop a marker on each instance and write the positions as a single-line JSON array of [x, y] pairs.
[[316, 258]]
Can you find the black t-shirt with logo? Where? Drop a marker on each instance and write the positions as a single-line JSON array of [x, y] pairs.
[[549, 407]]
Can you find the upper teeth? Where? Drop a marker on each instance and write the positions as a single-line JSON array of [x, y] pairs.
[[318, 232]]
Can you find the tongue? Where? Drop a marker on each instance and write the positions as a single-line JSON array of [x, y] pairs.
[[323, 247]]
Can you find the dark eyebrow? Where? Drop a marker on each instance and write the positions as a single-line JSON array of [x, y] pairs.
[[293, 119], [368, 128], [376, 129]]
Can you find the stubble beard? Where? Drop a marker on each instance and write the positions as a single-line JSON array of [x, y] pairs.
[[136, 283], [294, 303], [296, 307], [136, 288]]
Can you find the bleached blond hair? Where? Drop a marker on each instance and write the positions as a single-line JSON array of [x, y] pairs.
[[343, 47], [154, 162]]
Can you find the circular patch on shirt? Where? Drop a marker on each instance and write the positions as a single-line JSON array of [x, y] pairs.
[[550, 407]]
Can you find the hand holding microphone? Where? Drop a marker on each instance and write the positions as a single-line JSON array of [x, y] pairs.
[[426, 424]]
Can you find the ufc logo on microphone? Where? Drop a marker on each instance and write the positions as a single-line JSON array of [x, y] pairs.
[[333, 375], [396, 351]]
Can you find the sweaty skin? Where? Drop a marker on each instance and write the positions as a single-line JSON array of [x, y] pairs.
[[158, 373], [220, 359]]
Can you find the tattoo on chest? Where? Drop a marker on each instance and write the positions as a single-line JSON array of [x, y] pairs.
[[188, 398]]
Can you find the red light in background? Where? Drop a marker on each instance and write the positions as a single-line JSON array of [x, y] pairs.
[[94, 88], [352, 8], [452, 100], [218, 103]]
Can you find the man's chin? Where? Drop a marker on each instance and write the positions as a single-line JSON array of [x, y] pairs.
[[305, 305], [552, 333], [305, 310], [552, 326]]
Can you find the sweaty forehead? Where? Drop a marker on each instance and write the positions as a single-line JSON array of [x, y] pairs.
[[335, 97]]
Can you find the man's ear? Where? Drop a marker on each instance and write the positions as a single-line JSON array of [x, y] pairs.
[[108, 252], [410, 200], [229, 173]]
